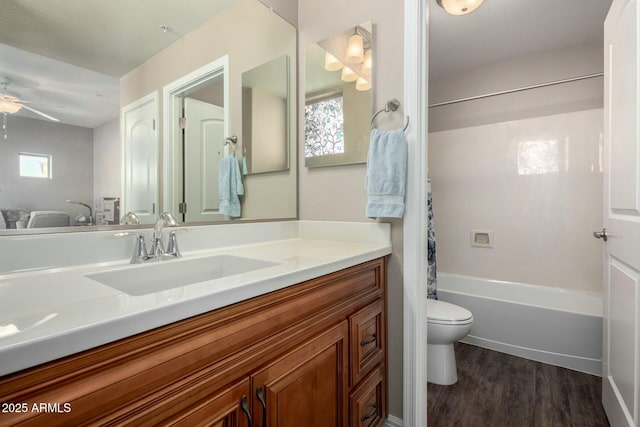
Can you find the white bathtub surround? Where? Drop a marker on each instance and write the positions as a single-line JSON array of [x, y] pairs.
[[56, 311], [562, 327], [537, 184]]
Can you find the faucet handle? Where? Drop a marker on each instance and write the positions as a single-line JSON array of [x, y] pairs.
[[140, 254], [172, 245]]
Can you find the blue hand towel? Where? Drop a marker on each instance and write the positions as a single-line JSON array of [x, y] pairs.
[[229, 187], [386, 174]]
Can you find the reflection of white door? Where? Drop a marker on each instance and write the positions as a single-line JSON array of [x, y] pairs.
[[621, 351], [140, 162], [204, 139]]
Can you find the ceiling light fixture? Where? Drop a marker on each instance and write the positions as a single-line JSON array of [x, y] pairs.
[[459, 7], [6, 106]]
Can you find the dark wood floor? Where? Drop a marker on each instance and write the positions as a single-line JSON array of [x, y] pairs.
[[496, 389]]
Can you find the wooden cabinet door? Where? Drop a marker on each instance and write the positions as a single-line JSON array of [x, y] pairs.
[[229, 407], [307, 386]]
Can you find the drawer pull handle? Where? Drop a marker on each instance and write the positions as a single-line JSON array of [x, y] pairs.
[[370, 415], [263, 403], [245, 408], [368, 341]]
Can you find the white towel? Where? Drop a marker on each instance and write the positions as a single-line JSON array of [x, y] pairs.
[[386, 174]]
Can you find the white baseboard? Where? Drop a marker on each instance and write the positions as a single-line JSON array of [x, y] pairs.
[[393, 422], [614, 406]]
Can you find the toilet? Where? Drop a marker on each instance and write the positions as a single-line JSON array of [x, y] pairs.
[[446, 324]]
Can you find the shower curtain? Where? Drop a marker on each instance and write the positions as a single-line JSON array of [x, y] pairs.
[[432, 280]]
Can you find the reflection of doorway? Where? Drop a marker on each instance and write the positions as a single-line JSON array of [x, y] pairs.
[[190, 170], [203, 141]]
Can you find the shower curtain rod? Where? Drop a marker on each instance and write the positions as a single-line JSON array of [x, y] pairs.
[[520, 89]]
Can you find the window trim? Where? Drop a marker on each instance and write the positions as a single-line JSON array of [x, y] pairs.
[[49, 159]]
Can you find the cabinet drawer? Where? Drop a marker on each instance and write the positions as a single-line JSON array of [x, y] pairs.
[[367, 402], [367, 340]]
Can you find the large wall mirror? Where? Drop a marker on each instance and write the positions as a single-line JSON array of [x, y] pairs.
[[338, 72], [81, 77], [265, 117]]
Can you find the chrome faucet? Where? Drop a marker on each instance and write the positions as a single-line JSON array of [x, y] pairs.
[[157, 251], [165, 219], [130, 218], [90, 220]]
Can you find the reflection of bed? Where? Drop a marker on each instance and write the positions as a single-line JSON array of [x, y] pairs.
[[42, 219]]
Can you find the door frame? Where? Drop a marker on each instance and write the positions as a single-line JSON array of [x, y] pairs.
[[416, 69], [171, 149]]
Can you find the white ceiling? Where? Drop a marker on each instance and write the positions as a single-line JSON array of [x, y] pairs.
[[83, 47], [106, 39], [501, 30]]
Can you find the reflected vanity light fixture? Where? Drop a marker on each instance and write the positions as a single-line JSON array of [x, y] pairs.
[[363, 84], [355, 49], [331, 63], [348, 75], [368, 63], [459, 7]]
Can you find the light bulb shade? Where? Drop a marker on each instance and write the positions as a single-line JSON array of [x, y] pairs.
[[348, 75], [9, 107], [368, 63], [331, 63], [459, 7], [363, 84], [355, 49]]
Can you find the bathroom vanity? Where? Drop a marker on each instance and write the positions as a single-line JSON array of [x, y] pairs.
[[299, 352]]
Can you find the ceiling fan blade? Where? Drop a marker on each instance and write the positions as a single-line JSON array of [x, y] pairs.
[[46, 116]]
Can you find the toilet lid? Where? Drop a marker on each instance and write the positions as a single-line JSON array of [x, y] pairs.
[[444, 312]]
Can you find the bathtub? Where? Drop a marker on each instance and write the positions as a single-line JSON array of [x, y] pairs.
[[561, 327]]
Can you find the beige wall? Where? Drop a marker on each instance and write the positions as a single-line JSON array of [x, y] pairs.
[[526, 166], [246, 23], [338, 193]]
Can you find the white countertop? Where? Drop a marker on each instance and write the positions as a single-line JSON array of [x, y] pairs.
[[51, 313]]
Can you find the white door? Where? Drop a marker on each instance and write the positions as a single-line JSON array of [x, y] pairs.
[[621, 346], [204, 140], [140, 158]]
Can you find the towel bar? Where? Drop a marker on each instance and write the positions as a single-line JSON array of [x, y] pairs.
[[391, 105]]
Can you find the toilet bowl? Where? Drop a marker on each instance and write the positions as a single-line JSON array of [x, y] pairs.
[[446, 324]]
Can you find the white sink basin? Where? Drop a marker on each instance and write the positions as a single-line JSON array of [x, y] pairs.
[[161, 276]]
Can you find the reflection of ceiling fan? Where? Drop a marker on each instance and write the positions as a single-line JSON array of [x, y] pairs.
[[11, 103]]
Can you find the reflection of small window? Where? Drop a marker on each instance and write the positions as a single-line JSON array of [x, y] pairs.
[[35, 165], [324, 126]]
